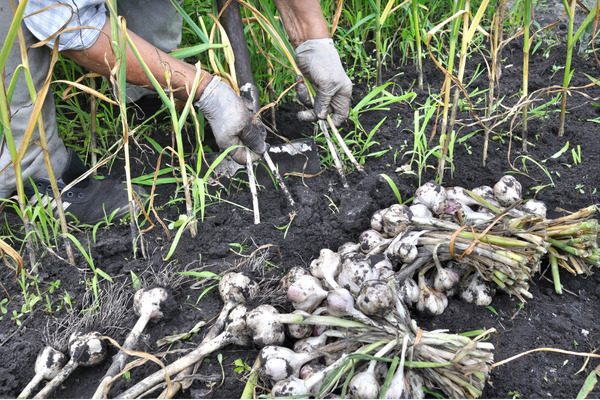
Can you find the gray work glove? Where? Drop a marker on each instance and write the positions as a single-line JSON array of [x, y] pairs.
[[231, 121], [320, 64]]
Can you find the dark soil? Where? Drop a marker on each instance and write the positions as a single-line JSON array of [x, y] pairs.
[[329, 215]]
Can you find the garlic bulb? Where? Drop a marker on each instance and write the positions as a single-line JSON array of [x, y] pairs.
[[396, 219], [409, 291], [306, 293], [478, 291], [237, 288], [280, 362], [507, 191], [340, 303], [445, 279], [535, 207], [457, 194], [266, 329], [484, 191], [430, 300], [327, 267], [354, 272], [149, 302], [420, 211], [290, 277], [364, 385], [369, 240], [415, 384], [348, 249], [433, 196], [375, 298], [382, 264], [300, 331], [377, 220]]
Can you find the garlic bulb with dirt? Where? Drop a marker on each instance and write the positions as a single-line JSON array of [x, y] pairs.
[[235, 288], [327, 267], [265, 330], [377, 219], [476, 290], [433, 196], [420, 211], [409, 291], [369, 240], [396, 219], [306, 293], [535, 207], [375, 298], [430, 300], [300, 331], [290, 277], [507, 191], [382, 264], [415, 384], [354, 272], [445, 279], [294, 386], [340, 303], [280, 362], [48, 364], [86, 349], [348, 249]]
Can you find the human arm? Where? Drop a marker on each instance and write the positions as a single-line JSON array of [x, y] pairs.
[[317, 58], [227, 114]]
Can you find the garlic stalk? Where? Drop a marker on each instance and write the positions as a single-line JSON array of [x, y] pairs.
[[235, 332], [364, 385], [48, 364], [397, 388], [147, 304], [235, 288], [293, 386]]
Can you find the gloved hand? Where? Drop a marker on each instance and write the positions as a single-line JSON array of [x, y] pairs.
[[231, 121], [320, 63]]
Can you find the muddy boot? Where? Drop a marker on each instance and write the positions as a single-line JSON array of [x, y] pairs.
[[89, 201]]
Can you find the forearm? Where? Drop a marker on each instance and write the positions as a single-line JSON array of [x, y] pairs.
[[303, 20], [100, 58]]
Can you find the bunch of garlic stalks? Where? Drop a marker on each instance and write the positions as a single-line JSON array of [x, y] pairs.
[[471, 242], [361, 341]]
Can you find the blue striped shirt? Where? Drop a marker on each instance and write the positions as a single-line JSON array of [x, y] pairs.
[[64, 14]]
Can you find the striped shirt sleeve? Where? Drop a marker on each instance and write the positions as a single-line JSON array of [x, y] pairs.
[[53, 15]]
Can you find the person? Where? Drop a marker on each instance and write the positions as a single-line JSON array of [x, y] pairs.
[[155, 28]]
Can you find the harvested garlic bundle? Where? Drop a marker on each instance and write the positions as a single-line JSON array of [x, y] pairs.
[[507, 191], [433, 196]]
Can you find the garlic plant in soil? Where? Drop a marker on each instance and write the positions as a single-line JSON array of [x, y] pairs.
[[86, 349], [48, 364], [147, 305]]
